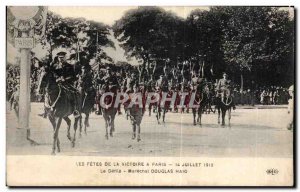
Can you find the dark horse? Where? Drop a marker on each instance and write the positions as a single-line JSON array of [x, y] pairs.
[[88, 95], [58, 104], [223, 105], [135, 111], [109, 111], [202, 99], [163, 108]]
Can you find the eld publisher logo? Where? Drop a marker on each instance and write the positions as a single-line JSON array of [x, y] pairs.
[[272, 171]]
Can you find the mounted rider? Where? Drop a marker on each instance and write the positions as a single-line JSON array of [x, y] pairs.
[[197, 82], [162, 84], [224, 88], [110, 81], [66, 77]]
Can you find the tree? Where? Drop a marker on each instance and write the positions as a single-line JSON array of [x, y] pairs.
[[150, 33], [252, 42], [205, 38], [77, 34]]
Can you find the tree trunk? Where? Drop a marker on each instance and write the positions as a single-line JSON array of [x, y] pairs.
[[242, 82]]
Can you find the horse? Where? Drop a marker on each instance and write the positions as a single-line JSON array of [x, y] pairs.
[[136, 112], [202, 99], [161, 110], [210, 91], [109, 111], [59, 106], [88, 95], [223, 105], [150, 89]]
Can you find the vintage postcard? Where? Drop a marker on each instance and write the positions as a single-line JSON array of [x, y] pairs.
[[150, 96]]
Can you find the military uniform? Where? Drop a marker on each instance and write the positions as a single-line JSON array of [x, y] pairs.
[[66, 77], [162, 84], [223, 88]]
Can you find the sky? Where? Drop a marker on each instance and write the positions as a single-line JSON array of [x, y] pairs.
[[107, 15]]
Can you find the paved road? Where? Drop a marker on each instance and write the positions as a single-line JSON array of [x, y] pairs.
[[254, 132]]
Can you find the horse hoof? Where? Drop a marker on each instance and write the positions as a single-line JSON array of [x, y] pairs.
[[133, 137], [53, 153], [58, 150], [111, 134], [106, 136], [138, 139], [69, 137], [73, 144], [195, 123]]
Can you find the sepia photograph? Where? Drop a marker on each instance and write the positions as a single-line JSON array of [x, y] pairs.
[[150, 96]]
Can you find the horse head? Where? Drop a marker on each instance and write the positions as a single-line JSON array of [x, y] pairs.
[[46, 79]]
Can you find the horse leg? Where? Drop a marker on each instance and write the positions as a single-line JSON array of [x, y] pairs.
[[112, 125], [86, 122], [158, 116], [218, 114], [106, 128], [139, 132], [199, 114], [100, 110], [223, 116], [134, 130], [127, 115], [164, 114], [68, 121], [55, 135], [80, 125], [194, 116], [149, 110], [75, 129], [229, 115], [58, 145], [52, 120]]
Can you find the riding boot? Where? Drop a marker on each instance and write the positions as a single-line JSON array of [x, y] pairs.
[[44, 114]]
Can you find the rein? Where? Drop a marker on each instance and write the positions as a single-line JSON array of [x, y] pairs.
[[227, 104], [85, 95], [58, 96]]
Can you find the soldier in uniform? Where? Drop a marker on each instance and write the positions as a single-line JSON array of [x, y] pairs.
[[197, 81], [109, 79], [66, 76], [223, 88], [291, 108], [162, 83]]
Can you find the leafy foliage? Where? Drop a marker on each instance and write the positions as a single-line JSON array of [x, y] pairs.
[[256, 42], [77, 34]]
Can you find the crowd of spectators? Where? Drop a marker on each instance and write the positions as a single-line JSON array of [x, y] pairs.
[[273, 95]]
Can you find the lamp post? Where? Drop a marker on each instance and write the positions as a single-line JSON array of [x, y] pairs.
[[24, 20]]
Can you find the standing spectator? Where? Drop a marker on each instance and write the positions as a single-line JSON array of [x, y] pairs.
[[291, 108]]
